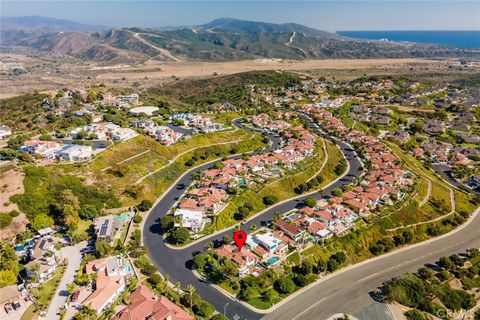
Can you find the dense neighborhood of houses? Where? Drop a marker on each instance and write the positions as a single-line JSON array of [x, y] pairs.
[[209, 195], [114, 283]]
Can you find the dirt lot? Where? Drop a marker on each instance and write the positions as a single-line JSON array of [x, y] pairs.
[[11, 183], [202, 69], [47, 74]]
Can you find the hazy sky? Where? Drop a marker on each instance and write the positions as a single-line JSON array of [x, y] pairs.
[[325, 15]]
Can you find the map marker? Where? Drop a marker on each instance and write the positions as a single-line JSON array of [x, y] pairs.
[[239, 237]]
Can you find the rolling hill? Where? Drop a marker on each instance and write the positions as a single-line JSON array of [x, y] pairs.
[[220, 40]]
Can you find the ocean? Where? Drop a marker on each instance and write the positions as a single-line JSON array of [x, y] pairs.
[[466, 39]]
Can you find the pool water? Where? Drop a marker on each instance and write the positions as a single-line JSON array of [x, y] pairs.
[[272, 260]]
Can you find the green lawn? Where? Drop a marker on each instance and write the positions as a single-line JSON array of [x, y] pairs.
[[81, 231], [45, 292], [30, 313]]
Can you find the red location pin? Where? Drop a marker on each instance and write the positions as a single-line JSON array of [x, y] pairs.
[[240, 237]]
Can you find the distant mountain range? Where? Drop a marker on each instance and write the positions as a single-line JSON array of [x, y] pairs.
[[220, 40], [38, 22]]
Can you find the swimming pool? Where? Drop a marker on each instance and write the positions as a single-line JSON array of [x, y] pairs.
[[272, 260]]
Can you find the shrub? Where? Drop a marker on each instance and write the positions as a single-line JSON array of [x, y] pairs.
[[310, 202], [5, 220], [414, 314], [180, 235], [284, 285], [137, 219], [145, 205], [270, 199]]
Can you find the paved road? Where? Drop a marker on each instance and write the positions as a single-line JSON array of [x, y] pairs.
[[446, 172], [348, 291], [345, 291], [74, 258], [177, 263]]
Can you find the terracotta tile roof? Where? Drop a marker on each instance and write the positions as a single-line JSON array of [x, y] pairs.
[[145, 304]]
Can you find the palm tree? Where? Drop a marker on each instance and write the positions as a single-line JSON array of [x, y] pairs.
[[190, 290], [276, 216]]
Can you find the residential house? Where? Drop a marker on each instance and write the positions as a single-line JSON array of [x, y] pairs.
[[292, 229], [124, 134], [434, 126], [107, 226], [46, 149], [469, 138], [75, 153], [191, 219], [43, 260], [110, 282], [400, 136], [5, 132], [244, 258], [9, 294], [145, 305]]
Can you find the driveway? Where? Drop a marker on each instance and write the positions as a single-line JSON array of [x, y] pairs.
[[74, 258]]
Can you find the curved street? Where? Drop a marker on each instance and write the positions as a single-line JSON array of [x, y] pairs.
[[344, 291], [177, 263]]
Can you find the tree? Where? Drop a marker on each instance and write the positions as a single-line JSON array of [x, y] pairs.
[[332, 265], [200, 261], [41, 220], [9, 259], [167, 223], [203, 309], [86, 313], [336, 192], [446, 263], [300, 280], [321, 266], [145, 205], [46, 137], [270, 199], [310, 202], [190, 290], [103, 248], [276, 216], [425, 273], [284, 285], [68, 205], [71, 287], [180, 235], [7, 278], [88, 211]]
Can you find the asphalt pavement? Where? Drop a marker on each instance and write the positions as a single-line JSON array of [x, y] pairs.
[[446, 172], [74, 257]]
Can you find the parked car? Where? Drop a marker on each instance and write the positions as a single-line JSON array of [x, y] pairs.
[[16, 305], [8, 308]]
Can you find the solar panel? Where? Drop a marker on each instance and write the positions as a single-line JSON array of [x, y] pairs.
[[103, 228]]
